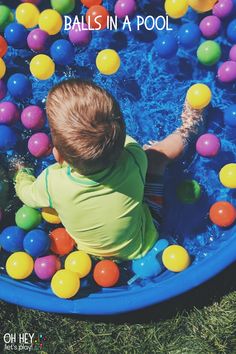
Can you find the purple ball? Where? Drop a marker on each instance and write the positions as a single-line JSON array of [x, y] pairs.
[[125, 8], [210, 26], [46, 267], [33, 117], [3, 89], [208, 145], [38, 40], [9, 113], [227, 71], [223, 8], [232, 53], [80, 35], [39, 145]]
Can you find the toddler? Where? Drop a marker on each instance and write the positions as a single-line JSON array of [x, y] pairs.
[[106, 189]]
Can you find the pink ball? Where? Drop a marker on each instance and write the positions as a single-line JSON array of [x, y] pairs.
[[227, 72], [3, 89], [80, 35], [208, 145], [9, 113], [210, 26], [223, 8], [46, 267], [232, 53], [125, 8], [33, 117], [35, 2], [38, 40], [39, 145]]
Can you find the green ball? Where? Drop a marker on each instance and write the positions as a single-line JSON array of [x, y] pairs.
[[6, 17], [188, 191], [209, 53], [63, 6], [28, 218]]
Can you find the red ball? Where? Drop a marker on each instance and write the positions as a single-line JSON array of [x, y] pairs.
[[223, 214], [93, 20], [3, 47], [106, 273], [89, 3], [61, 242]]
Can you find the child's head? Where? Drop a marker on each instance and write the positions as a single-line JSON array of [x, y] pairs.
[[87, 127]]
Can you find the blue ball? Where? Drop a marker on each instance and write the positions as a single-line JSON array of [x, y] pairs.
[[147, 266], [62, 52], [36, 243], [230, 115], [166, 46], [16, 35], [231, 31], [11, 239], [8, 138], [19, 86], [189, 35]]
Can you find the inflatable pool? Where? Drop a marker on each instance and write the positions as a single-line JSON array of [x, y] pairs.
[[151, 91]]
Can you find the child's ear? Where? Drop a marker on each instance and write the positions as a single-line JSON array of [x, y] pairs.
[[57, 156]]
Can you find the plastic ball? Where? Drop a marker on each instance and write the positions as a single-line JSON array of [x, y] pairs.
[[27, 218], [36, 243], [147, 266], [2, 68], [106, 273], [62, 52], [3, 47], [189, 35], [61, 242], [79, 262], [42, 67], [222, 214], [176, 258], [209, 53], [230, 116], [125, 8], [39, 145], [11, 239], [176, 8], [27, 14], [232, 53], [89, 3], [46, 267], [167, 46], [202, 5], [65, 284], [80, 35], [9, 113], [228, 175], [8, 138], [50, 215], [199, 96], [50, 21], [189, 191], [38, 40], [223, 8], [3, 89], [96, 17], [6, 17], [108, 61], [231, 31], [33, 117], [208, 145], [227, 72], [19, 86], [64, 7], [210, 26], [16, 35], [19, 265]]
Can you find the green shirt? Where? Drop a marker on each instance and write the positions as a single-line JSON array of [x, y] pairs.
[[104, 213]]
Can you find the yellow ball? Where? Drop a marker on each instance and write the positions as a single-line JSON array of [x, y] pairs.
[[19, 265], [202, 5], [50, 215], [65, 284], [28, 15], [79, 262], [176, 8], [2, 68], [199, 96], [50, 21], [108, 61], [42, 67], [228, 175], [175, 258]]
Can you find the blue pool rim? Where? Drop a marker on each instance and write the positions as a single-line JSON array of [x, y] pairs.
[[120, 301]]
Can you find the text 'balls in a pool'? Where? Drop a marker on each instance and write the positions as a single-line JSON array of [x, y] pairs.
[[65, 284], [27, 14], [199, 96], [42, 67], [19, 265], [176, 258], [50, 21], [108, 61]]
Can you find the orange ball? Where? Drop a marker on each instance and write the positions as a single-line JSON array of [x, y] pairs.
[[3, 47], [96, 17], [223, 214], [89, 3], [61, 242], [106, 273]]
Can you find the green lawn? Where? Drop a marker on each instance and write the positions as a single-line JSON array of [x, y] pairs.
[[202, 321]]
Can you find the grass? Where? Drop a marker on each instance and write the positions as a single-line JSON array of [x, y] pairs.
[[202, 321]]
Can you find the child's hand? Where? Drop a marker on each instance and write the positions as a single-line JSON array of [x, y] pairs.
[[16, 164]]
